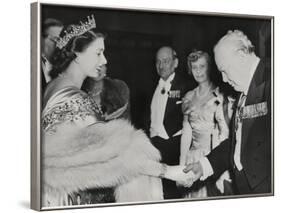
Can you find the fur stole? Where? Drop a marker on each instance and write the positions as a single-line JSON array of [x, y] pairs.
[[111, 154]]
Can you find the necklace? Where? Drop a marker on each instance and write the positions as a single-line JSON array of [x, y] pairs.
[[96, 107], [95, 93], [96, 88]]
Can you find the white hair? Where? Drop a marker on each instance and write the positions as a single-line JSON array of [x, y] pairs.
[[239, 40]]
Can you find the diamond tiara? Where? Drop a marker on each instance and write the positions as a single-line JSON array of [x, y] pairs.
[[76, 30]]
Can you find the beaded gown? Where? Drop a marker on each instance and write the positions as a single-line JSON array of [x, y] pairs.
[[80, 151]]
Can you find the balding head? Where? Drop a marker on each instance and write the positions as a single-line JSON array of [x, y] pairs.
[[236, 40], [234, 57], [166, 62], [167, 50]]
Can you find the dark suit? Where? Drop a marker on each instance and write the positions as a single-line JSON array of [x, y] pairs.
[[173, 119], [43, 80], [255, 177]]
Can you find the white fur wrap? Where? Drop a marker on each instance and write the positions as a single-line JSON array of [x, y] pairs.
[[101, 155]]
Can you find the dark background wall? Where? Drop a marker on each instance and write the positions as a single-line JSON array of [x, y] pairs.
[[133, 38]]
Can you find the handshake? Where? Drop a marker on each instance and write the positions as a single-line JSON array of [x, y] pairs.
[[184, 175]]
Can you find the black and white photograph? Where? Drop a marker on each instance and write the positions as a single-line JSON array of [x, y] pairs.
[[135, 106]]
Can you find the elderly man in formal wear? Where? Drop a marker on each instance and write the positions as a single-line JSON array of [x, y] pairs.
[[248, 151], [166, 115]]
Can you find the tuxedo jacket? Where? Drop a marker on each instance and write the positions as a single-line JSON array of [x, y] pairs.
[[43, 80], [173, 117], [256, 137]]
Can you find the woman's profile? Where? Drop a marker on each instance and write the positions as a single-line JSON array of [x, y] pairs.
[[80, 150]]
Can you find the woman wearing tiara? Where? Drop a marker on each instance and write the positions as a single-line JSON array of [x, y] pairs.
[[205, 122], [79, 149]]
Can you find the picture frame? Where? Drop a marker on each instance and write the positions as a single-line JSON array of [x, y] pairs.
[[134, 35]]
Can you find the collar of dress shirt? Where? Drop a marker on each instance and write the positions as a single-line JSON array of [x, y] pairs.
[[252, 71], [168, 81]]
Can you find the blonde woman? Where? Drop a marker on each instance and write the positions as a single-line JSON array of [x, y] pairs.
[[204, 125]]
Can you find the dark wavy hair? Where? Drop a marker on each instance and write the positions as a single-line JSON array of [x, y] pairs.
[[63, 57]]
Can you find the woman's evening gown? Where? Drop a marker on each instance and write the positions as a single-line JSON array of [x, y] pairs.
[[80, 151], [208, 126]]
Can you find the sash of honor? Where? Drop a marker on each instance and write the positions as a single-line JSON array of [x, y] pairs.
[[253, 111], [174, 94]]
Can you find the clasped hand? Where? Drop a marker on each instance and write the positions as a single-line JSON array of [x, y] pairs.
[[178, 174], [188, 174]]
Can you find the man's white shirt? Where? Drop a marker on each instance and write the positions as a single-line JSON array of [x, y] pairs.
[[158, 107]]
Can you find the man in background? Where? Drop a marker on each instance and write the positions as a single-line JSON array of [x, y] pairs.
[[166, 114], [51, 29]]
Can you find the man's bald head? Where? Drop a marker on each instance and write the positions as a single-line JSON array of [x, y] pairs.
[[166, 62]]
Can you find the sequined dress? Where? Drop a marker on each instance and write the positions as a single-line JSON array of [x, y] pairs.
[[81, 151]]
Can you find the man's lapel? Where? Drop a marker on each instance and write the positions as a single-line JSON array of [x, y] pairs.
[[170, 100], [255, 95], [43, 80], [257, 85]]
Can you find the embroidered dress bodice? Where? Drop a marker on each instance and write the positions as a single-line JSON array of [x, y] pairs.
[[70, 106]]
